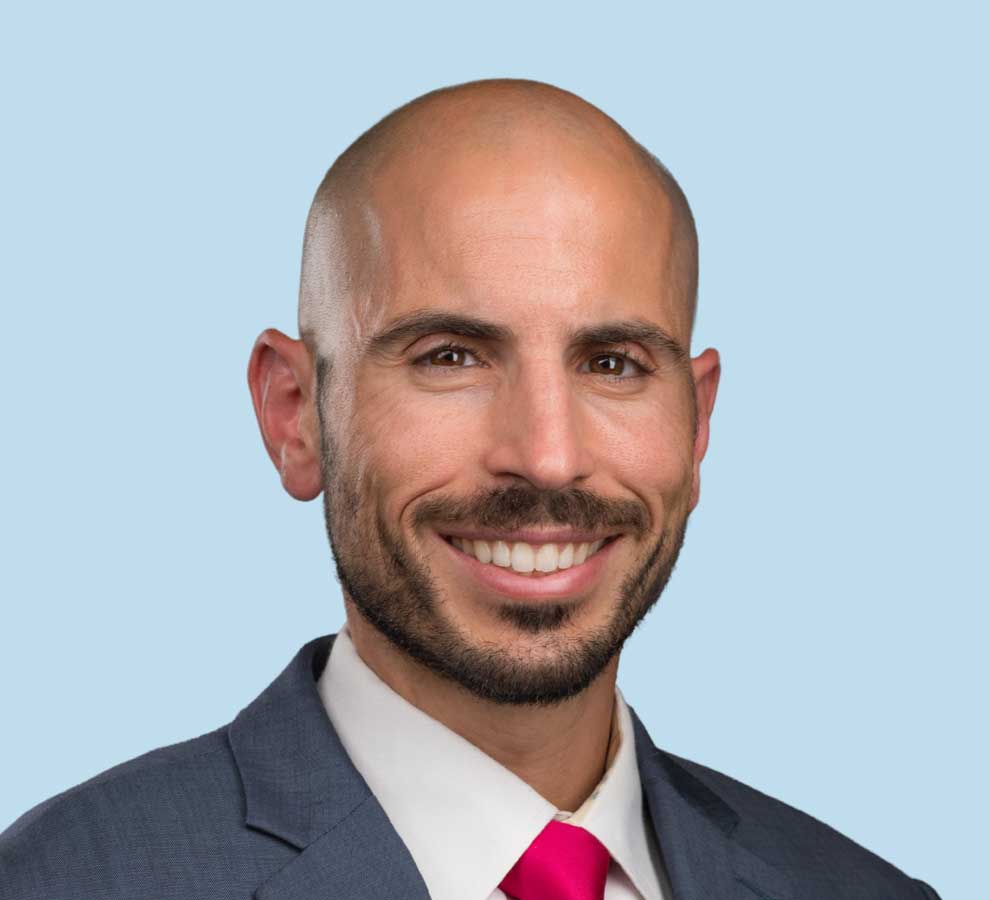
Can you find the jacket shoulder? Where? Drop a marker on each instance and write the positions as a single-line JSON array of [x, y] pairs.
[[819, 859], [128, 775], [132, 830]]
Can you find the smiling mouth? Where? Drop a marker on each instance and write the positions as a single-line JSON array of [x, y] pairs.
[[525, 558]]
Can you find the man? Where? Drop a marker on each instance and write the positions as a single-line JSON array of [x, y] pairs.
[[493, 390]]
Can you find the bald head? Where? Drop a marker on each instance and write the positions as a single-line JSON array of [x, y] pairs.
[[430, 151]]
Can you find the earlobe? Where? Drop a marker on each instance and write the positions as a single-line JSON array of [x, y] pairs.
[[280, 376]]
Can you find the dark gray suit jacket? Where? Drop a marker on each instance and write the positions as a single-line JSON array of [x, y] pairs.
[[271, 807]]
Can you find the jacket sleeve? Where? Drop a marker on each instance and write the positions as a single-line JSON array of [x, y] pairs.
[[927, 891]]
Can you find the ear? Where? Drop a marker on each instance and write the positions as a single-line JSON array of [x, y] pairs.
[[283, 388], [706, 370]]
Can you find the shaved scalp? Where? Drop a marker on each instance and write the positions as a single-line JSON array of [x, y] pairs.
[[341, 245]]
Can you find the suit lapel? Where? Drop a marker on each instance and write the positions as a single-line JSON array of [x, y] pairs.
[[301, 787], [362, 858], [694, 828]]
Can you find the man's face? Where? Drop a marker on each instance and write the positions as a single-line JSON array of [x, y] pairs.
[[501, 428]]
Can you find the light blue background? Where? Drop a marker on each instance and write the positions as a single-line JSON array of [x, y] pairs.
[[823, 637]]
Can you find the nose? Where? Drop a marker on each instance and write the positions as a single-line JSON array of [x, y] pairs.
[[537, 430]]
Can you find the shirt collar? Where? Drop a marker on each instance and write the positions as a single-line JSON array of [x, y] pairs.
[[484, 815], [615, 814]]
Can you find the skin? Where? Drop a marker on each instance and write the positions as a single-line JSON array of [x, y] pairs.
[[557, 227]]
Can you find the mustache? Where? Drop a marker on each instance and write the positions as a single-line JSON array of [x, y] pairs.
[[523, 506]]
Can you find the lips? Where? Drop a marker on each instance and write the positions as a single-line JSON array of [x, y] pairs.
[[525, 557], [558, 583]]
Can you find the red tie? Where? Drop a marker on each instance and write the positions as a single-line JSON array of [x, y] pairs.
[[565, 862]]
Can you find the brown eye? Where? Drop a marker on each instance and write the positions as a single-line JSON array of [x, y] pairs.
[[449, 356], [608, 364], [616, 366]]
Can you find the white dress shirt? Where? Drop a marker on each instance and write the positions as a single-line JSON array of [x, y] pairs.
[[464, 817]]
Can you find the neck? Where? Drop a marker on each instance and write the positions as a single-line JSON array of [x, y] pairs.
[[560, 751]]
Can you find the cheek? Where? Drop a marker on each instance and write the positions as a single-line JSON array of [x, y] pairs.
[[648, 443], [411, 442]]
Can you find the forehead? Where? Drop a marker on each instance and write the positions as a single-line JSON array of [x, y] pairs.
[[541, 233]]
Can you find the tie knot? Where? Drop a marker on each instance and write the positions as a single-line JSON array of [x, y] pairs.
[[564, 862]]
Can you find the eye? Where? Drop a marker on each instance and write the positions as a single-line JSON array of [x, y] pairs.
[[617, 366], [447, 356]]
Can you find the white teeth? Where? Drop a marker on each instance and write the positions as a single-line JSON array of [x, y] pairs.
[[483, 551], [546, 558], [527, 558], [501, 555], [522, 558]]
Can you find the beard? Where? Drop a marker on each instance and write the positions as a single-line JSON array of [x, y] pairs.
[[392, 587]]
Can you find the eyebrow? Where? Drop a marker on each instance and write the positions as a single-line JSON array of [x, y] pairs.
[[421, 323]]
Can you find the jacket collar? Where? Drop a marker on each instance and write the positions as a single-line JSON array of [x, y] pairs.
[[301, 787], [696, 830]]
